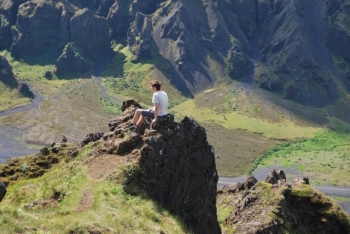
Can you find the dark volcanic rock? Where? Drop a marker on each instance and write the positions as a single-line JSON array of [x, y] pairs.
[[9, 9], [90, 34], [72, 60], [91, 137], [90, 42], [48, 75], [6, 75], [103, 7], [39, 26], [24, 90], [44, 151], [179, 170], [2, 190], [5, 33], [274, 176], [119, 19], [338, 36], [140, 37]]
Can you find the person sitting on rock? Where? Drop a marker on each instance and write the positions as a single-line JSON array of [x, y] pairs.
[[160, 101]]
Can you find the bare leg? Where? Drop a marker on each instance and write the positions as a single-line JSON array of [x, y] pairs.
[[137, 116], [140, 121]]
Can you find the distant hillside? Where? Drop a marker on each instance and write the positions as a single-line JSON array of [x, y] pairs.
[[297, 49]]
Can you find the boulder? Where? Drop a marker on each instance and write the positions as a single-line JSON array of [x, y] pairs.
[[250, 182], [91, 137], [2, 190], [24, 90], [272, 178], [48, 75], [44, 151]]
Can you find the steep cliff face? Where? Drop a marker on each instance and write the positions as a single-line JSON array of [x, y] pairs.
[[5, 33], [89, 42], [39, 27], [90, 34], [297, 49]]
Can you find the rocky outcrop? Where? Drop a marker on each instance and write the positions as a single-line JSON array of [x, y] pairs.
[[281, 208], [6, 75], [72, 60], [35, 165], [274, 176], [177, 164]]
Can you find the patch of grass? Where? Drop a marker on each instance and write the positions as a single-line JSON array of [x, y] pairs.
[[234, 120], [11, 98], [324, 159], [112, 210], [110, 107]]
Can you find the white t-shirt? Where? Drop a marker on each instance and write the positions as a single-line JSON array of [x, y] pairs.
[[162, 98]]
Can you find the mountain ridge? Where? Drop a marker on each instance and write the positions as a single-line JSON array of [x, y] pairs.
[[294, 48]]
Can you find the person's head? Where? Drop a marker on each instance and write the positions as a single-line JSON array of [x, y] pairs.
[[155, 84]]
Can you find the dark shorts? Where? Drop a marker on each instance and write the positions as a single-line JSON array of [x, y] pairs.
[[148, 114]]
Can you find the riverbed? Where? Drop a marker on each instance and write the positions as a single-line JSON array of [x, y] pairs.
[[11, 144]]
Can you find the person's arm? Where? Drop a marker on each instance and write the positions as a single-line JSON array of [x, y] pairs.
[[156, 112]]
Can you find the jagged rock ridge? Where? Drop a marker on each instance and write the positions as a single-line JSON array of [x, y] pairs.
[[295, 48]]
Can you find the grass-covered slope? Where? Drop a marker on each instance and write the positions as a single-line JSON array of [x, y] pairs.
[[265, 208], [250, 128], [83, 195], [11, 98]]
